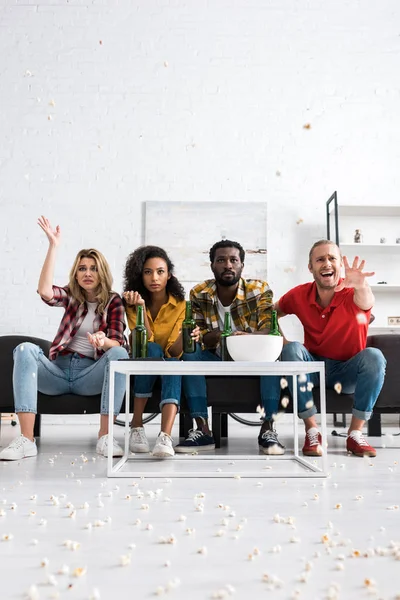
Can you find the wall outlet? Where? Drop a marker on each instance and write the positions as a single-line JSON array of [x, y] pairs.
[[394, 321]]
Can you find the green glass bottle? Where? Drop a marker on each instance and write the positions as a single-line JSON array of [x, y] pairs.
[[227, 331], [188, 343], [139, 335], [274, 324]]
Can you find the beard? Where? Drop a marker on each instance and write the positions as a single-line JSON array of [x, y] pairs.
[[227, 282]]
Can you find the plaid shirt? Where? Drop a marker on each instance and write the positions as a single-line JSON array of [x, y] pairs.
[[112, 321], [250, 310]]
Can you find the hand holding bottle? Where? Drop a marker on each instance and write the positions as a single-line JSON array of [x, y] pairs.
[[196, 334], [133, 298]]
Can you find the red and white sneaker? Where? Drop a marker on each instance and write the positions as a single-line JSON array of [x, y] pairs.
[[358, 445], [313, 443]]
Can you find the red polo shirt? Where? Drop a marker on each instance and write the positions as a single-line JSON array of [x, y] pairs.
[[337, 331]]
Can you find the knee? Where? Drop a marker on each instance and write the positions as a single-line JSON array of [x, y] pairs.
[[293, 351], [196, 355], [154, 350], [373, 360], [116, 353], [25, 350]]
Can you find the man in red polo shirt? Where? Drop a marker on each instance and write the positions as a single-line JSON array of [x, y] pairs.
[[335, 313]]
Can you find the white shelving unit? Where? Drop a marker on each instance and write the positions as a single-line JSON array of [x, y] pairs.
[[372, 330], [385, 288], [374, 222]]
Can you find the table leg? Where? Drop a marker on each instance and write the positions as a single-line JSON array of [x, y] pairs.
[[127, 403], [111, 417], [322, 401], [295, 417]]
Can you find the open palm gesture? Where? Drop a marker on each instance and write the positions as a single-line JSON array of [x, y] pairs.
[[54, 236], [354, 277]]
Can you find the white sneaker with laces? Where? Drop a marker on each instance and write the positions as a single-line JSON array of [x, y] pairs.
[[102, 447], [21, 447], [163, 447], [138, 440]]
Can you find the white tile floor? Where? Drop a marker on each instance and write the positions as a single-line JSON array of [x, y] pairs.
[[197, 538]]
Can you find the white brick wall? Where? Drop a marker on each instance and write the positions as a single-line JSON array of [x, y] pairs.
[[106, 105]]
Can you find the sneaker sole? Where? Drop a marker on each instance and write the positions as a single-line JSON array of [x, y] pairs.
[[116, 455], [19, 458], [189, 450], [272, 451], [139, 449], [162, 454], [362, 454], [311, 453]]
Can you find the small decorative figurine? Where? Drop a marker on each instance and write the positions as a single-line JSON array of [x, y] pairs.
[[397, 240], [383, 240], [357, 236]]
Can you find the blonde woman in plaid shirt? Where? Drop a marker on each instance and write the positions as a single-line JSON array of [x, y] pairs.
[[91, 333], [250, 304]]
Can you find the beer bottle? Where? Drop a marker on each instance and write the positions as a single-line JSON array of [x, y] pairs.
[[188, 343], [274, 324], [139, 336], [227, 331]]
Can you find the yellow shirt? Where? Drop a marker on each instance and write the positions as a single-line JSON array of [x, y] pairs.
[[167, 324]]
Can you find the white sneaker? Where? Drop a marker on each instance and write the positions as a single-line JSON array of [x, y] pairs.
[[102, 447], [138, 440], [163, 447], [21, 447]]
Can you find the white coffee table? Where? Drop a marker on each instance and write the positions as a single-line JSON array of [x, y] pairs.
[[315, 468]]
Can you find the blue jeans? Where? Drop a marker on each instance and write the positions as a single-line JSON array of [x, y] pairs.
[[170, 384], [361, 375], [67, 374], [195, 389]]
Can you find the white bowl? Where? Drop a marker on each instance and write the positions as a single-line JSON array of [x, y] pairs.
[[256, 348]]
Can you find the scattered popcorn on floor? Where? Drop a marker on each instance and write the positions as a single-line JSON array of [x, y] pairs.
[[125, 560]]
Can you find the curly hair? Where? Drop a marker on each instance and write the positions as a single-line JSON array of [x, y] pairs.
[[133, 275], [226, 244]]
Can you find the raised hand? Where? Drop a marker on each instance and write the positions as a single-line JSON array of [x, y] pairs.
[[133, 299], [97, 339], [54, 236], [354, 277]]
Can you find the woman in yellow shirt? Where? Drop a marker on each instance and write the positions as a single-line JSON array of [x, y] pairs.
[[149, 281]]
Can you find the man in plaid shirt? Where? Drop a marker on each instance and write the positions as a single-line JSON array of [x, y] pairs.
[[250, 304]]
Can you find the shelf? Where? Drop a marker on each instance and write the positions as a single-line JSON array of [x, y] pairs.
[[386, 330], [369, 246], [384, 287], [354, 210]]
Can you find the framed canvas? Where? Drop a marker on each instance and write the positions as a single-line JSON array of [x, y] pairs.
[[187, 230]]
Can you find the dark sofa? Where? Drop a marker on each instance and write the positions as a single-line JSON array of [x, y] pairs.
[[225, 395]]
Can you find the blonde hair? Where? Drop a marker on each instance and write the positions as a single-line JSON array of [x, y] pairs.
[[321, 243], [105, 278]]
